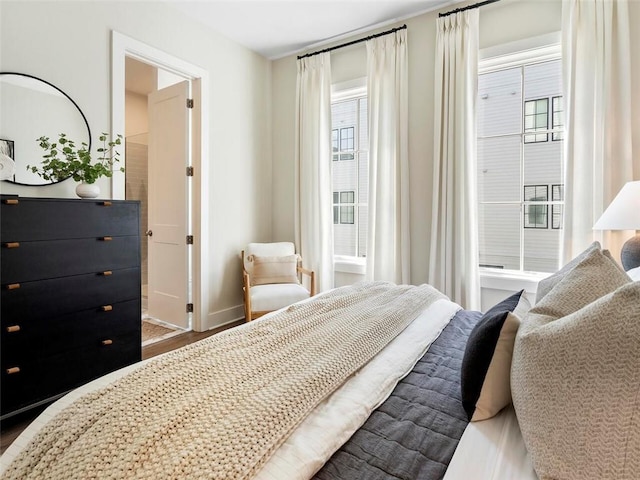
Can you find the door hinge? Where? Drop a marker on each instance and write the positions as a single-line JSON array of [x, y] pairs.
[[189, 239], [189, 307], [189, 171], [189, 102]]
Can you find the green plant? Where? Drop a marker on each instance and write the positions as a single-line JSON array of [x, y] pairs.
[[62, 159]]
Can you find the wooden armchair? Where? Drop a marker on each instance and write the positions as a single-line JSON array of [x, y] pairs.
[[272, 274]]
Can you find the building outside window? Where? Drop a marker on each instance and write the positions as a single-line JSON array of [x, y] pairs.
[[350, 173], [520, 127]]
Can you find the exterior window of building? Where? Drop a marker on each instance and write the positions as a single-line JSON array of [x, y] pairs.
[[557, 196], [350, 173], [520, 172], [343, 207], [536, 207], [343, 141], [536, 119], [557, 118]]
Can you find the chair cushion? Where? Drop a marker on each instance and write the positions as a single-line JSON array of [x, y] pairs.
[[575, 375], [486, 365], [266, 298]]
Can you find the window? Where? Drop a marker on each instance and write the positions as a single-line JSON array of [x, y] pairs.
[[520, 127], [557, 118], [535, 212], [343, 141], [536, 119], [557, 196], [343, 207], [350, 172]]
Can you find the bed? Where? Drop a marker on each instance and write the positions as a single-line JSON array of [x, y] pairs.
[[395, 412]]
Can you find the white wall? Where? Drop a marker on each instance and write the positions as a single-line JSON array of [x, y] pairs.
[[502, 22], [68, 44]]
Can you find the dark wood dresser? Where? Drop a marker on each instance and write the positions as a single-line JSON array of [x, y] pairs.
[[70, 306]]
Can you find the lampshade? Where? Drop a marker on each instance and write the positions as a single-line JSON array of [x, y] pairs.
[[624, 211], [624, 214]]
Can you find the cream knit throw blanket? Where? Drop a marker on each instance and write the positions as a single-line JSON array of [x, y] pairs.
[[219, 408]]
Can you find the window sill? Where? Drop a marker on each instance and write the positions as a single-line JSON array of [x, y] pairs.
[[511, 280], [354, 265]]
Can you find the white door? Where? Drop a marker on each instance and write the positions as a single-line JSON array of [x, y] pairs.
[[169, 137]]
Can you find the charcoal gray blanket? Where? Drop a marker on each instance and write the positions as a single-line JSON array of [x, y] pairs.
[[414, 433]]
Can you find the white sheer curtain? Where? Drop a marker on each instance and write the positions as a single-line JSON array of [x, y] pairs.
[[453, 260], [313, 208], [597, 92], [388, 230]]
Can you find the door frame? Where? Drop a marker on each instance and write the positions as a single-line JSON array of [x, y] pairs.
[[123, 46]]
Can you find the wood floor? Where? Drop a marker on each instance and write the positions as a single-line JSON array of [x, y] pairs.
[[11, 428]]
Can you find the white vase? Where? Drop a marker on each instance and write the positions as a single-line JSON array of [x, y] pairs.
[[87, 190]]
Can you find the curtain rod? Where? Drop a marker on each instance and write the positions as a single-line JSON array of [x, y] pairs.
[[468, 7], [393, 30]]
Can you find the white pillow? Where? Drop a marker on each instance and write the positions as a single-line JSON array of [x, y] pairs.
[[268, 270]]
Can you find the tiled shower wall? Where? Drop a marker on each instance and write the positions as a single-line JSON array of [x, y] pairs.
[[137, 187]]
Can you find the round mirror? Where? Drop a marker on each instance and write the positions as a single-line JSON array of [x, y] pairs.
[[31, 108]]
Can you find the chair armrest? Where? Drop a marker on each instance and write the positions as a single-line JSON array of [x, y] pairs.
[[311, 274], [247, 295]]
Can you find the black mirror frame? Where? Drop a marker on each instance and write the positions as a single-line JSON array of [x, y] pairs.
[[74, 104]]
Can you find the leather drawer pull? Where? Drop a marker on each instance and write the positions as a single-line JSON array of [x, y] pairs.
[[12, 244], [106, 273], [107, 342], [11, 201], [106, 239], [13, 370], [13, 328], [13, 286], [106, 204], [107, 308]]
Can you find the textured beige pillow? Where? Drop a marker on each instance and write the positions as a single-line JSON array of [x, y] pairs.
[[268, 270], [575, 376], [545, 286]]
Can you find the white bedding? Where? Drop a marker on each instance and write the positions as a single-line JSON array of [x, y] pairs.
[[491, 449]]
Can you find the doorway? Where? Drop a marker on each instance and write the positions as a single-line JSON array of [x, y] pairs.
[[127, 54], [157, 139]]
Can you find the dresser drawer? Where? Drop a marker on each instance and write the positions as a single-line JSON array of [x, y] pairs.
[[40, 299], [41, 260], [49, 219], [46, 376], [45, 336]]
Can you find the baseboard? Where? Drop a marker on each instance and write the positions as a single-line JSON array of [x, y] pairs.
[[222, 317]]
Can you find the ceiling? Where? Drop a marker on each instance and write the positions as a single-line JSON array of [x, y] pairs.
[[277, 28]]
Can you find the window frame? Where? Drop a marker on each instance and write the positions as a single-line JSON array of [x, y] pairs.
[[340, 206], [557, 136], [346, 91], [535, 131], [535, 204], [529, 51]]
